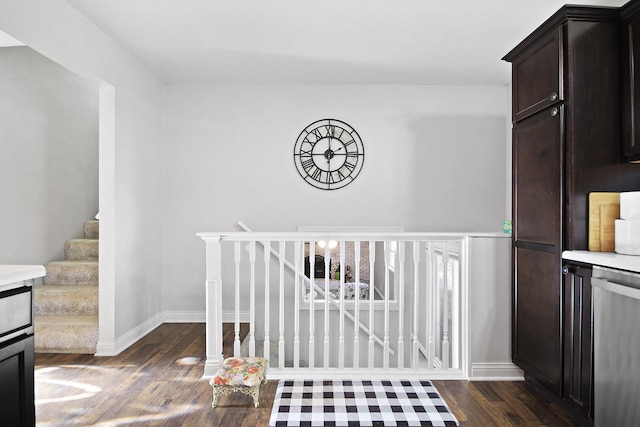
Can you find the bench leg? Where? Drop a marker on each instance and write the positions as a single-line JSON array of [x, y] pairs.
[[255, 393], [215, 398]]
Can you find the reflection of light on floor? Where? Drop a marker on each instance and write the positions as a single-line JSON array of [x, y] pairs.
[[188, 361], [137, 419], [88, 390], [77, 390]]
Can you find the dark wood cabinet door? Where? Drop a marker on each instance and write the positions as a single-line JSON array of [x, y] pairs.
[[537, 76], [631, 81], [537, 342], [578, 338], [537, 177], [17, 407]]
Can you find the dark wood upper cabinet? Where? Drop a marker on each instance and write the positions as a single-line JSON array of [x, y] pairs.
[[630, 54], [537, 77], [538, 175]]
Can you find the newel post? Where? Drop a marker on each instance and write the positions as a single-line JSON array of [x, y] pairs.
[[213, 297]]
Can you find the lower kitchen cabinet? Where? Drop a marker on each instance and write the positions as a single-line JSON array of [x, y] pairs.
[[577, 387], [17, 407], [17, 404], [537, 311]]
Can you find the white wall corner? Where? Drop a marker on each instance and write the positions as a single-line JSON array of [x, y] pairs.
[[495, 372]]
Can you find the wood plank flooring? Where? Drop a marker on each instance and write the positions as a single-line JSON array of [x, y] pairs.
[[158, 382]]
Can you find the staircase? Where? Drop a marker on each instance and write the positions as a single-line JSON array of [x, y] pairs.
[[66, 304]]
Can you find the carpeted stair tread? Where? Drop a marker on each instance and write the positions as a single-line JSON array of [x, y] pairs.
[[66, 304], [91, 229], [66, 334], [88, 319], [76, 249], [72, 272], [64, 299]]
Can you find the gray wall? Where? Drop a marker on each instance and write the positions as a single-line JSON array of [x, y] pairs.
[[435, 160], [48, 156]]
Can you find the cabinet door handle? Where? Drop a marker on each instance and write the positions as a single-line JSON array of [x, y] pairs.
[[554, 112], [553, 96], [565, 269]]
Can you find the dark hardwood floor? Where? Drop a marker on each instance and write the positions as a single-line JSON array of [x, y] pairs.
[[158, 382]]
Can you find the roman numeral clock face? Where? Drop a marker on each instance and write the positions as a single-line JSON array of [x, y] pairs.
[[329, 154]]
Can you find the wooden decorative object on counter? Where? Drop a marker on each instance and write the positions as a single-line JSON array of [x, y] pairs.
[[604, 209]]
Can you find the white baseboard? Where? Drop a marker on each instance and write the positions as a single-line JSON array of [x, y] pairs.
[[128, 339], [495, 372], [184, 317], [105, 349]]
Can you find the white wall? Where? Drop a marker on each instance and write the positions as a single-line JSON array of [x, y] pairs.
[[130, 176], [48, 156], [434, 161], [489, 301]]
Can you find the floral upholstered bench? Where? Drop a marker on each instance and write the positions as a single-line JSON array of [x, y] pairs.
[[243, 374]]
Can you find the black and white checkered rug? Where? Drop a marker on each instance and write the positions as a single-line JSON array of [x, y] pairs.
[[359, 403]]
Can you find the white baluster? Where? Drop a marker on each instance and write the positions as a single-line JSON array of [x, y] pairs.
[[267, 263], [327, 295], [431, 304], [341, 295], [445, 306], [281, 254], [372, 252], [296, 319], [236, 260], [252, 299], [312, 304], [356, 323], [400, 297], [416, 304], [455, 307], [387, 262]]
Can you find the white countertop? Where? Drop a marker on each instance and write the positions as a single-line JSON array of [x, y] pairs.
[[19, 273], [605, 259]]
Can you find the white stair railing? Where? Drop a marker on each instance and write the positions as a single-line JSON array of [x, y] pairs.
[[421, 281], [319, 290]]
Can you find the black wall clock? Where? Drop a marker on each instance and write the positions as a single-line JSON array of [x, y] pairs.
[[328, 154]]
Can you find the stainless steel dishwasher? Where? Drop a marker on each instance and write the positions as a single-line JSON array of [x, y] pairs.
[[616, 320]]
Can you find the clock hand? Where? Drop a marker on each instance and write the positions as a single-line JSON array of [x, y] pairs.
[[329, 164]]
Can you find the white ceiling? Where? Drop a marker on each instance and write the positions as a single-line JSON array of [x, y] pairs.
[[411, 42]]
